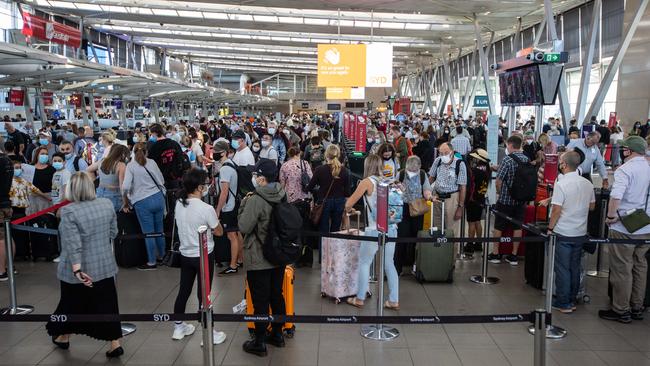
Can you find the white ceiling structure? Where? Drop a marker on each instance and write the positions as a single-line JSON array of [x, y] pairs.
[[281, 36]]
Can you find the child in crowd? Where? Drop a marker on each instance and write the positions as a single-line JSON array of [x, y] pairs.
[[60, 178]]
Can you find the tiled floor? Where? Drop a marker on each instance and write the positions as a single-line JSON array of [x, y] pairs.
[[590, 341]]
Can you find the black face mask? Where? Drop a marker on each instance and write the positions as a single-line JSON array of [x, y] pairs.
[[621, 154], [217, 156]]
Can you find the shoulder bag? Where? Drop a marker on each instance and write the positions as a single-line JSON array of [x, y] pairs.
[[317, 210], [173, 256], [636, 219]]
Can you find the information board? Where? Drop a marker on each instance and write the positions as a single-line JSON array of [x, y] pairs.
[[360, 142]]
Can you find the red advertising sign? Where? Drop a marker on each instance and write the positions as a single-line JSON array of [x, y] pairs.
[[34, 26], [75, 99], [612, 119], [98, 102], [550, 168], [346, 125], [382, 207], [353, 127], [48, 98], [360, 142], [16, 96]]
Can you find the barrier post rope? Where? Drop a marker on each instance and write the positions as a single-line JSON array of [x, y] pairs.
[[379, 331], [206, 304], [483, 278], [14, 308], [552, 331]]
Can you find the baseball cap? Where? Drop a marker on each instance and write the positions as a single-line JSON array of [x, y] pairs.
[[45, 134], [239, 134], [266, 168], [221, 146], [635, 143]]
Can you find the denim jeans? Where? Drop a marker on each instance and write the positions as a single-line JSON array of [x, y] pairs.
[[113, 195], [330, 221], [366, 255], [150, 212], [567, 273]]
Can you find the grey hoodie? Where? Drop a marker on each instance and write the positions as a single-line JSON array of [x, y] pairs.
[[254, 217]]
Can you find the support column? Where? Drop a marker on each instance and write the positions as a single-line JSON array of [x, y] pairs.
[[84, 115], [450, 86], [587, 62], [93, 111], [41, 105], [475, 82], [565, 107], [484, 66]]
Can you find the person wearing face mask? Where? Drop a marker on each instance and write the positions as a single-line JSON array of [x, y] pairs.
[[448, 174], [268, 151], [44, 140], [416, 187], [73, 163], [256, 147], [461, 143], [168, 156], [60, 178], [43, 173], [532, 149], [573, 198], [444, 137], [280, 141], [390, 164], [593, 156], [402, 146], [243, 154], [84, 143], [264, 279], [627, 263], [190, 214], [423, 149]]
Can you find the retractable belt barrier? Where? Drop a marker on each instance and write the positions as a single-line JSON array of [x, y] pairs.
[[307, 319]]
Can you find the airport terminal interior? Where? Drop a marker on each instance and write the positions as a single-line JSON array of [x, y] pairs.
[[414, 182]]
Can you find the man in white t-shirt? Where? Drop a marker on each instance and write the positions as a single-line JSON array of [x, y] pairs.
[[243, 154], [227, 206], [573, 198]]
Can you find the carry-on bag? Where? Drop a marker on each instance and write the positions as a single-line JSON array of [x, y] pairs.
[[434, 261], [221, 250], [44, 245], [287, 292], [534, 251], [340, 265], [129, 252]]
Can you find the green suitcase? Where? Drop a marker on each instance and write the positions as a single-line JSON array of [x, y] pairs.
[[434, 262]]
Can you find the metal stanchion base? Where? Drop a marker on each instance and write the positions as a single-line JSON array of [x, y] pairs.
[[379, 333], [552, 332], [599, 274], [128, 328], [20, 310], [484, 280]]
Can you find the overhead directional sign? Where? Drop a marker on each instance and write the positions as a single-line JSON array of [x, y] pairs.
[[556, 57]]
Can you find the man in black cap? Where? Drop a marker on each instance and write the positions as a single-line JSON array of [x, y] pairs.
[[264, 279], [243, 154]]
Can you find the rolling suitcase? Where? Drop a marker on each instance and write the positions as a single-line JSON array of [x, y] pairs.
[[44, 245], [434, 262], [129, 252], [309, 243], [534, 252], [340, 266], [222, 250], [287, 291]]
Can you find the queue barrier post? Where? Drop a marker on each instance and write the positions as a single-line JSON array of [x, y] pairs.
[[552, 331], [14, 308], [483, 278], [461, 246], [539, 353], [206, 303], [379, 332]]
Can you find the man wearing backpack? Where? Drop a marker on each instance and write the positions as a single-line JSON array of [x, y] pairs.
[[228, 204], [264, 278], [73, 163], [448, 176], [514, 171], [169, 157]]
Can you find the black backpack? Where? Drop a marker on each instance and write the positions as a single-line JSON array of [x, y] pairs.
[[244, 180], [283, 244], [524, 182]]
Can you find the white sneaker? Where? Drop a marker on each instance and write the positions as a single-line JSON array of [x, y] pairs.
[[181, 330], [217, 337], [56, 260]]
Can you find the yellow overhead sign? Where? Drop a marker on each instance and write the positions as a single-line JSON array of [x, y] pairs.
[[341, 65], [345, 93]]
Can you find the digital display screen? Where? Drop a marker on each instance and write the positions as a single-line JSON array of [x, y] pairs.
[[521, 87]]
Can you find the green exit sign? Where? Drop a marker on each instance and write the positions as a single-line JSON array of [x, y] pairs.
[[554, 57]]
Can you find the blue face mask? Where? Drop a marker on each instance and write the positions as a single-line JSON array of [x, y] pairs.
[[68, 156], [234, 144], [43, 142], [57, 165], [271, 130], [43, 159], [18, 172], [153, 139], [135, 139]]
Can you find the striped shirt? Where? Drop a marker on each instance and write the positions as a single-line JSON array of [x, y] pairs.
[[445, 176]]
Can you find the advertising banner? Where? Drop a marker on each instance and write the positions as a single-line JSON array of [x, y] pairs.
[[341, 65], [353, 127], [345, 93], [360, 142], [75, 99], [48, 98], [98, 102], [17, 96], [34, 26], [346, 125], [550, 168], [612, 119], [382, 207], [379, 65]]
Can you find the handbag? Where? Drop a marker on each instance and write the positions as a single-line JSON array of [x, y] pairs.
[[317, 210], [304, 178], [173, 256], [636, 219], [418, 207]]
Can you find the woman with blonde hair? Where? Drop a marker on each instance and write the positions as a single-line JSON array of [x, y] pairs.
[[110, 171], [333, 182]]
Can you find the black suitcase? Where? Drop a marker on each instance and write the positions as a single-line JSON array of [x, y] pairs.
[[20, 238], [221, 250], [646, 302], [356, 161], [129, 252], [534, 260], [44, 245]]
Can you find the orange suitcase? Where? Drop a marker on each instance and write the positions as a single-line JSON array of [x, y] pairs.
[[287, 292]]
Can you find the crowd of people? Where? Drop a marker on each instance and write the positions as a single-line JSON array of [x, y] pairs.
[[228, 173]]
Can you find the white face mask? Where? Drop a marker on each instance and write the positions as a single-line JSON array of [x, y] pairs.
[[255, 184], [412, 174], [204, 192], [370, 140], [266, 143], [445, 159]]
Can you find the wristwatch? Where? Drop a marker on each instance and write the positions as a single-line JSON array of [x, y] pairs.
[[74, 273]]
